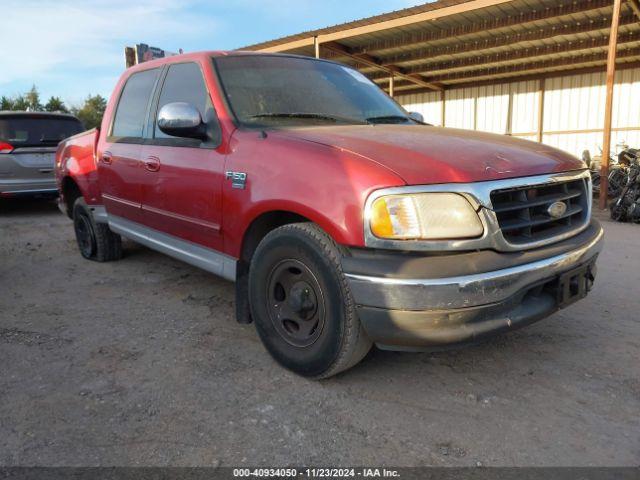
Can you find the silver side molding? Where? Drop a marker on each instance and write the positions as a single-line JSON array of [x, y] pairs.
[[201, 257]]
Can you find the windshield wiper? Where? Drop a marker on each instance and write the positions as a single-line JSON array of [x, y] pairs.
[[49, 140], [389, 119], [313, 116]]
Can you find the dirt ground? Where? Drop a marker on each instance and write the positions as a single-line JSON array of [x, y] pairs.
[[140, 362]]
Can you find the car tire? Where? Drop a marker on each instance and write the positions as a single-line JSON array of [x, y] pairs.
[[301, 304], [95, 240]]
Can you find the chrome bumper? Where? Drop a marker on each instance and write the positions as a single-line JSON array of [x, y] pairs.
[[468, 290]]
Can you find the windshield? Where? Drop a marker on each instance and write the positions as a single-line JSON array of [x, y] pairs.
[[266, 90], [24, 131]]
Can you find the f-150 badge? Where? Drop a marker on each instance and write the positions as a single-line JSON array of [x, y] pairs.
[[238, 179]]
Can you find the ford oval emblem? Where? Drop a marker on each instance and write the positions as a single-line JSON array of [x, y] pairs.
[[557, 209]]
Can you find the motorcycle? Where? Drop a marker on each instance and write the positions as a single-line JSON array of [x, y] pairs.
[[618, 170], [627, 206]]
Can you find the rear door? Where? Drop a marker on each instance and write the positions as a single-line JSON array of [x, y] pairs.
[[182, 178], [119, 160]]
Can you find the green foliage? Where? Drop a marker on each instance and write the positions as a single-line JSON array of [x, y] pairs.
[[20, 103], [6, 103], [55, 104], [27, 101], [90, 114]]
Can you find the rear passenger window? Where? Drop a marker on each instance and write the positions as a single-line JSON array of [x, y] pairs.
[[132, 107], [184, 83]]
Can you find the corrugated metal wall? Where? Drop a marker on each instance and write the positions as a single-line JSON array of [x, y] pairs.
[[573, 110]]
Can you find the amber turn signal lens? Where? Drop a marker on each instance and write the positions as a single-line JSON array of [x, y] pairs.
[[424, 216]]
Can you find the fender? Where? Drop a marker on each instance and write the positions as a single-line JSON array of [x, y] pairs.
[[75, 159]]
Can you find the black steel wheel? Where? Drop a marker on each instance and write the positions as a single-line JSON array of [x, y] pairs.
[[297, 305], [85, 235], [301, 304], [95, 240]]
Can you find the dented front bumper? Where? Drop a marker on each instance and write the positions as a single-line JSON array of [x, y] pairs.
[[408, 301]]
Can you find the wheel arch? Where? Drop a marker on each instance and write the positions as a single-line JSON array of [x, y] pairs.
[[258, 228], [70, 193]]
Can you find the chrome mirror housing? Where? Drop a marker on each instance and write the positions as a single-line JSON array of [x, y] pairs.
[[180, 119], [416, 116]]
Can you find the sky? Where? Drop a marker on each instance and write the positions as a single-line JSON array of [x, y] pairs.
[[73, 48]]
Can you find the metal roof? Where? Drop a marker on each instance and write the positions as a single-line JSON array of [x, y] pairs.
[[450, 43]]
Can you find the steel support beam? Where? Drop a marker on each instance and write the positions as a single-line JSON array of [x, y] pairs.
[[608, 109], [541, 90]]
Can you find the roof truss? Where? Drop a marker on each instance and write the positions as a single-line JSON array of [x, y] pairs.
[[524, 38], [493, 26], [512, 56], [600, 25]]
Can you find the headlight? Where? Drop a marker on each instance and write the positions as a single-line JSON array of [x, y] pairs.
[[424, 216]]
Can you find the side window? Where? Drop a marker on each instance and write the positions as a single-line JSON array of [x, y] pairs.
[[184, 83], [131, 113]]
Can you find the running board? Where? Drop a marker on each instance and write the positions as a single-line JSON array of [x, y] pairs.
[[201, 257]]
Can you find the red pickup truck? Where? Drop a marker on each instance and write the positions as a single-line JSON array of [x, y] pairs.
[[344, 220]]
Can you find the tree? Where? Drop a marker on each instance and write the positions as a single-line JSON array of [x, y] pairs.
[[20, 103], [32, 97], [90, 114], [6, 103], [55, 104]]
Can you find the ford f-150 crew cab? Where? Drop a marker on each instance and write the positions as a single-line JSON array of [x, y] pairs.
[[344, 220]]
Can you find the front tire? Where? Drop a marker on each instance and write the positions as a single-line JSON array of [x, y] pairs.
[[301, 302], [95, 240]]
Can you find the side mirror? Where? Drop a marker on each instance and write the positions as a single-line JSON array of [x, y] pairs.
[[416, 116], [180, 119]]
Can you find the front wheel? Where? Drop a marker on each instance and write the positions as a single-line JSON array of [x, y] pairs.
[[301, 302]]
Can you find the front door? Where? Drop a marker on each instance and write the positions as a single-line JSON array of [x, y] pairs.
[[120, 170], [182, 181]]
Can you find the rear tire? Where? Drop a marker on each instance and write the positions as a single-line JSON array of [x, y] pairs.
[[95, 240], [301, 303]]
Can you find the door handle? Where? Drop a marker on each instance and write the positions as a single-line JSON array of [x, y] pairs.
[[106, 158], [152, 164]]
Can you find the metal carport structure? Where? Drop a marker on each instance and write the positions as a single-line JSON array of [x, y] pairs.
[[447, 45]]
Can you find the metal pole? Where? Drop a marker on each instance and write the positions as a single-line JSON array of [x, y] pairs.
[[608, 109], [391, 85], [316, 46], [541, 110]]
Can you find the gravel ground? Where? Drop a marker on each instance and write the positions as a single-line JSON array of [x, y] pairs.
[[140, 362]]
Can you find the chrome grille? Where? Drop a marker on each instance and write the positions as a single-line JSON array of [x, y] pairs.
[[523, 216]]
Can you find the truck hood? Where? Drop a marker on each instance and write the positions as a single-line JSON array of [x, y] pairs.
[[427, 155]]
